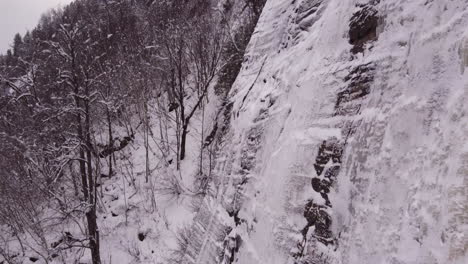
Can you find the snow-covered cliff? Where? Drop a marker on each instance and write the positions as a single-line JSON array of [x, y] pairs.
[[348, 138]]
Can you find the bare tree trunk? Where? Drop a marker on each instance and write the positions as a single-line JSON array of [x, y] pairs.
[[84, 180], [146, 135], [183, 140], [202, 139], [111, 140], [91, 212], [178, 139], [183, 135], [73, 176], [185, 124], [87, 181]]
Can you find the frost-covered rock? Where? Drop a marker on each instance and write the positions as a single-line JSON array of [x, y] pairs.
[[348, 138]]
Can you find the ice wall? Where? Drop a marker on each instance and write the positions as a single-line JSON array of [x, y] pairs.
[[347, 139]]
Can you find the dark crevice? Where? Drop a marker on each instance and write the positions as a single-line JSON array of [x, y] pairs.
[[141, 236], [251, 86], [235, 215], [209, 139]]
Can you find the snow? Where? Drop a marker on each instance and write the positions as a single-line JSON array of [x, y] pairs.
[[400, 195]]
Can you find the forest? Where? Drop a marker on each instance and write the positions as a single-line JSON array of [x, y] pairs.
[[86, 83]]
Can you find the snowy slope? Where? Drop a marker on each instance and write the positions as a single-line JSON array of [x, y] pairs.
[[345, 153]]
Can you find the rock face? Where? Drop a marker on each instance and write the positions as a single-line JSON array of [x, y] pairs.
[[347, 140], [363, 25]]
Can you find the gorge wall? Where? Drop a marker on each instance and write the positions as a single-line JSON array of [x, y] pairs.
[[347, 138]]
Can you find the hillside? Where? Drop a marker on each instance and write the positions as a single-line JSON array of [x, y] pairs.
[[321, 132]]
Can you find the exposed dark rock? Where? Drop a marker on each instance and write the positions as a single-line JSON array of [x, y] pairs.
[[235, 250], [360, 79], [251, 86], [329, 157], [363, 26], [332, 173], [249, 151], [55, 244], [209, 139], [173, 106], [231, 247], [235, 215], [141, 236], [33, 259], [221, 125], [305, 10], [306, 14], [262, 115], [316, 214], [227, 109], [324, 234], [331, 149], [117, 144], [321, 185], [247, 162]]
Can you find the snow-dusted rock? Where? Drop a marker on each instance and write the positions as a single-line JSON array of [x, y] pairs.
[[348, 138]]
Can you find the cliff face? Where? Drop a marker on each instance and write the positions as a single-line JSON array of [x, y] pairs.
[[347, 138]]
